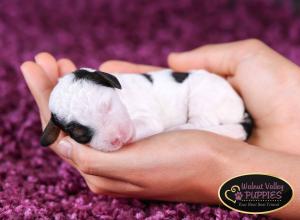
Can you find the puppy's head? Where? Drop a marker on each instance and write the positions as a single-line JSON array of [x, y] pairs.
[[85, 105]]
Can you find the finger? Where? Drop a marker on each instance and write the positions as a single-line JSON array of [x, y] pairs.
[[94, 162], [39, 85], [95, 189], [54, 148], [219, 58], [48, 63], [126, 67], [65, 66], [101, 185]]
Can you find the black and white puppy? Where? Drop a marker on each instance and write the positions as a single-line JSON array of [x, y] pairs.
[[107, 111]]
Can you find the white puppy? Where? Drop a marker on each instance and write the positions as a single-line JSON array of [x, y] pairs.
[[107, 111]]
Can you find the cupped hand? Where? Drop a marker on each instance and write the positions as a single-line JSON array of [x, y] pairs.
[[167, 166], [191, 165], [268, 83]]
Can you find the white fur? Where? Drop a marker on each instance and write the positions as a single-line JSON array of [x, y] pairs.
[[204, 101]]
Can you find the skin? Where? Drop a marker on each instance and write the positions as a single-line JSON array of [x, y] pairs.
[[191, 165]]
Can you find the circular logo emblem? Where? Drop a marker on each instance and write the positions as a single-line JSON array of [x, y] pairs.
[[255, 193]]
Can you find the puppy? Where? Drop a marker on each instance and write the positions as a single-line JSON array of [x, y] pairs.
[[108, 111]]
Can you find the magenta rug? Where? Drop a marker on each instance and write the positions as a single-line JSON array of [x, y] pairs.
[[35, 183]]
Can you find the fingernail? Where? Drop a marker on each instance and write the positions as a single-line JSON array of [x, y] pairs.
[[65, 148]]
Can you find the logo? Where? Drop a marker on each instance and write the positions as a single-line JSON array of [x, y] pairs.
[[255, 193]]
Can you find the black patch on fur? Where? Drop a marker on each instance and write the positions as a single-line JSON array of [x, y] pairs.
[[148, 77], [248, 124], [80, 133], [98, 77], [58, 122], [180, 76]]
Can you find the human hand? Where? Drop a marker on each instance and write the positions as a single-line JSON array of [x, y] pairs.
[[268, 83], [175, 166], [154, 168]]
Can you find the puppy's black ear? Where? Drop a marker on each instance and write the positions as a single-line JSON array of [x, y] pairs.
[[50, 134], [110, 79], [98, 77]]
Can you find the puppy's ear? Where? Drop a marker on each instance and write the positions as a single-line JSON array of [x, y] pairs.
[[98, 77], [50, 134], [110, 79]]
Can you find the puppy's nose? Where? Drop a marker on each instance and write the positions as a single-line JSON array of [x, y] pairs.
[[116, 142]]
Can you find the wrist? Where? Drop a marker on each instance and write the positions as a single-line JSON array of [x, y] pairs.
[[252, 159]]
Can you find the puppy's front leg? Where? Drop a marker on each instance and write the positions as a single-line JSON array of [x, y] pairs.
[[145, 127]]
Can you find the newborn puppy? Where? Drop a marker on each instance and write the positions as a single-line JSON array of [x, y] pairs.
[[107, 111]]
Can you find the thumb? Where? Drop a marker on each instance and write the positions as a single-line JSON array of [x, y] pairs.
[[89, 160], [77, 154], [64, 148], [213, 58], [222, 58]]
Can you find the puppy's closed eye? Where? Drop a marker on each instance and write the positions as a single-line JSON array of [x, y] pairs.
[[80, 133]]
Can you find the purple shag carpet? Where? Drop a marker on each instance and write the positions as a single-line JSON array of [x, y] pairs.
[[34, 182]]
